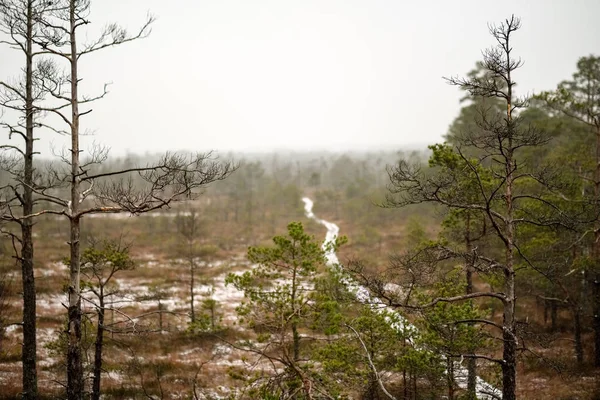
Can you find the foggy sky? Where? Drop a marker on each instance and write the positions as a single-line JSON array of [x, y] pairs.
[[251, 75]]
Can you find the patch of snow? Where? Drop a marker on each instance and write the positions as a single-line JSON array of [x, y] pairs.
[[53, 269], [221, 349], [50, 303], [11, 328]]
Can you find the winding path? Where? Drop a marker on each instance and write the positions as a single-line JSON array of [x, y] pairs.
[[484, 390]]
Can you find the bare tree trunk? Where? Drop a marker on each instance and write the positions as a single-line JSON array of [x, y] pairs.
[[596, 256], [576, 308], [577, 334], [596, 319], [193, 314], [509, 364], [295, 334], [509, 374], [74, 358], [98, 349], [450, 378], [471, 361], [29, 295]]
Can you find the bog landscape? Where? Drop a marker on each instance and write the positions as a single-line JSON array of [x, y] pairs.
[[463, 268]]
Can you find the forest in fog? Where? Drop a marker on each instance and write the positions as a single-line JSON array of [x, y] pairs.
[[467, 269]]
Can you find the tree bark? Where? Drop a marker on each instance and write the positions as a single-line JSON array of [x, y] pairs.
[[596, 319], [577, 334], [471, 362], [450, 378], [596, 256], [74, 359], [509, 371], [192, 283], [98, 349], [28, 281], [295, 334], [509, 364]]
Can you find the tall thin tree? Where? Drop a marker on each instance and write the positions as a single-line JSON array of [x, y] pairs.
[[509, 193], [19, 27], [172, 178]]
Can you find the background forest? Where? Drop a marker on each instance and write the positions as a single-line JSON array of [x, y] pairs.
[[466, 270]]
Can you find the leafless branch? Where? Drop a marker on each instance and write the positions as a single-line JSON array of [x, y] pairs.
[[373, 368]]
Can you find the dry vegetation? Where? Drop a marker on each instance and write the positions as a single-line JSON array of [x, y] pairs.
[[156, 356]]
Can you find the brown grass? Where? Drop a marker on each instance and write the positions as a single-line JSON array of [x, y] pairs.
[[145, 359]]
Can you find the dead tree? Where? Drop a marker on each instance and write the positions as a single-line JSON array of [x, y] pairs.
[[20, 29], [172, 178]]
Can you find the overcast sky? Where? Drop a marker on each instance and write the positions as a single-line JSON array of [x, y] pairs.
[[250, 75]]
